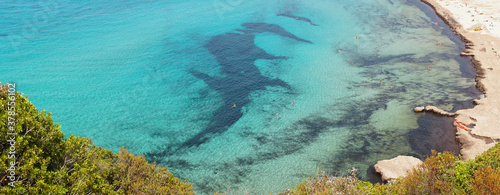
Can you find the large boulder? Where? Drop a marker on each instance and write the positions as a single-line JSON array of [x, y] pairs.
[[396, 167]]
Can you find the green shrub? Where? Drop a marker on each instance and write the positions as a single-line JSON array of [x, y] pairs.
[[486, 180], [440, 173], [46, 163], [43, 162], [323, 185], [433, 176]]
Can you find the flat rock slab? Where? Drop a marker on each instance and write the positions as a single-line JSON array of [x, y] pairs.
[[396, 167]]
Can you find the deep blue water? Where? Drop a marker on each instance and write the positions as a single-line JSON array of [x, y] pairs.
[[241, 96]]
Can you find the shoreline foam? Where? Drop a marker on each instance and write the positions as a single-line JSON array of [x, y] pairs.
[[482, 46]]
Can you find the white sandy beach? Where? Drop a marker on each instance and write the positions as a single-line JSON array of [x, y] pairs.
[[472, 14], [482, 121]]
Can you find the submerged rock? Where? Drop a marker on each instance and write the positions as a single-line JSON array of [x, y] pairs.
[[438, 111], [419, 109], [396, 167], [434, 109]]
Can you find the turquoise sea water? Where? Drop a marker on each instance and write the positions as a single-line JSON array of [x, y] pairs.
[[161, 78]]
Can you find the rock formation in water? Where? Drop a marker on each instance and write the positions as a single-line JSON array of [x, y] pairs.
[[434, 109]]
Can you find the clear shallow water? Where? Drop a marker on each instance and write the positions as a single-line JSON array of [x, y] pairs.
[[160, 78]]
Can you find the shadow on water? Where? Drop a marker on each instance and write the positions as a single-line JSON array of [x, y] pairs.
[[434, 133]]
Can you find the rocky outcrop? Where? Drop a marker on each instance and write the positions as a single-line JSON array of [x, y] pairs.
[[482, 120], [396, 167], [434, 109], [419, 109], [438, 111], [467, 54], [469, 50]]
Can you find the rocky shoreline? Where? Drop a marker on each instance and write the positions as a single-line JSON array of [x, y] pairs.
[[482, 120], [476, 128]]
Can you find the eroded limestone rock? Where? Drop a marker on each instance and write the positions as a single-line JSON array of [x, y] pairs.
[[396, 167], [419, 109]]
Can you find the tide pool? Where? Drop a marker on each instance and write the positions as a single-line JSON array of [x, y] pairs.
[[238, 96]]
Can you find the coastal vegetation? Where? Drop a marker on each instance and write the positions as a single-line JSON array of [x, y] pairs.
[[37, 159], [440, 173]]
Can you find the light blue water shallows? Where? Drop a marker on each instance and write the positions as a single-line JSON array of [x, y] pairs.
[[161, 78]]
